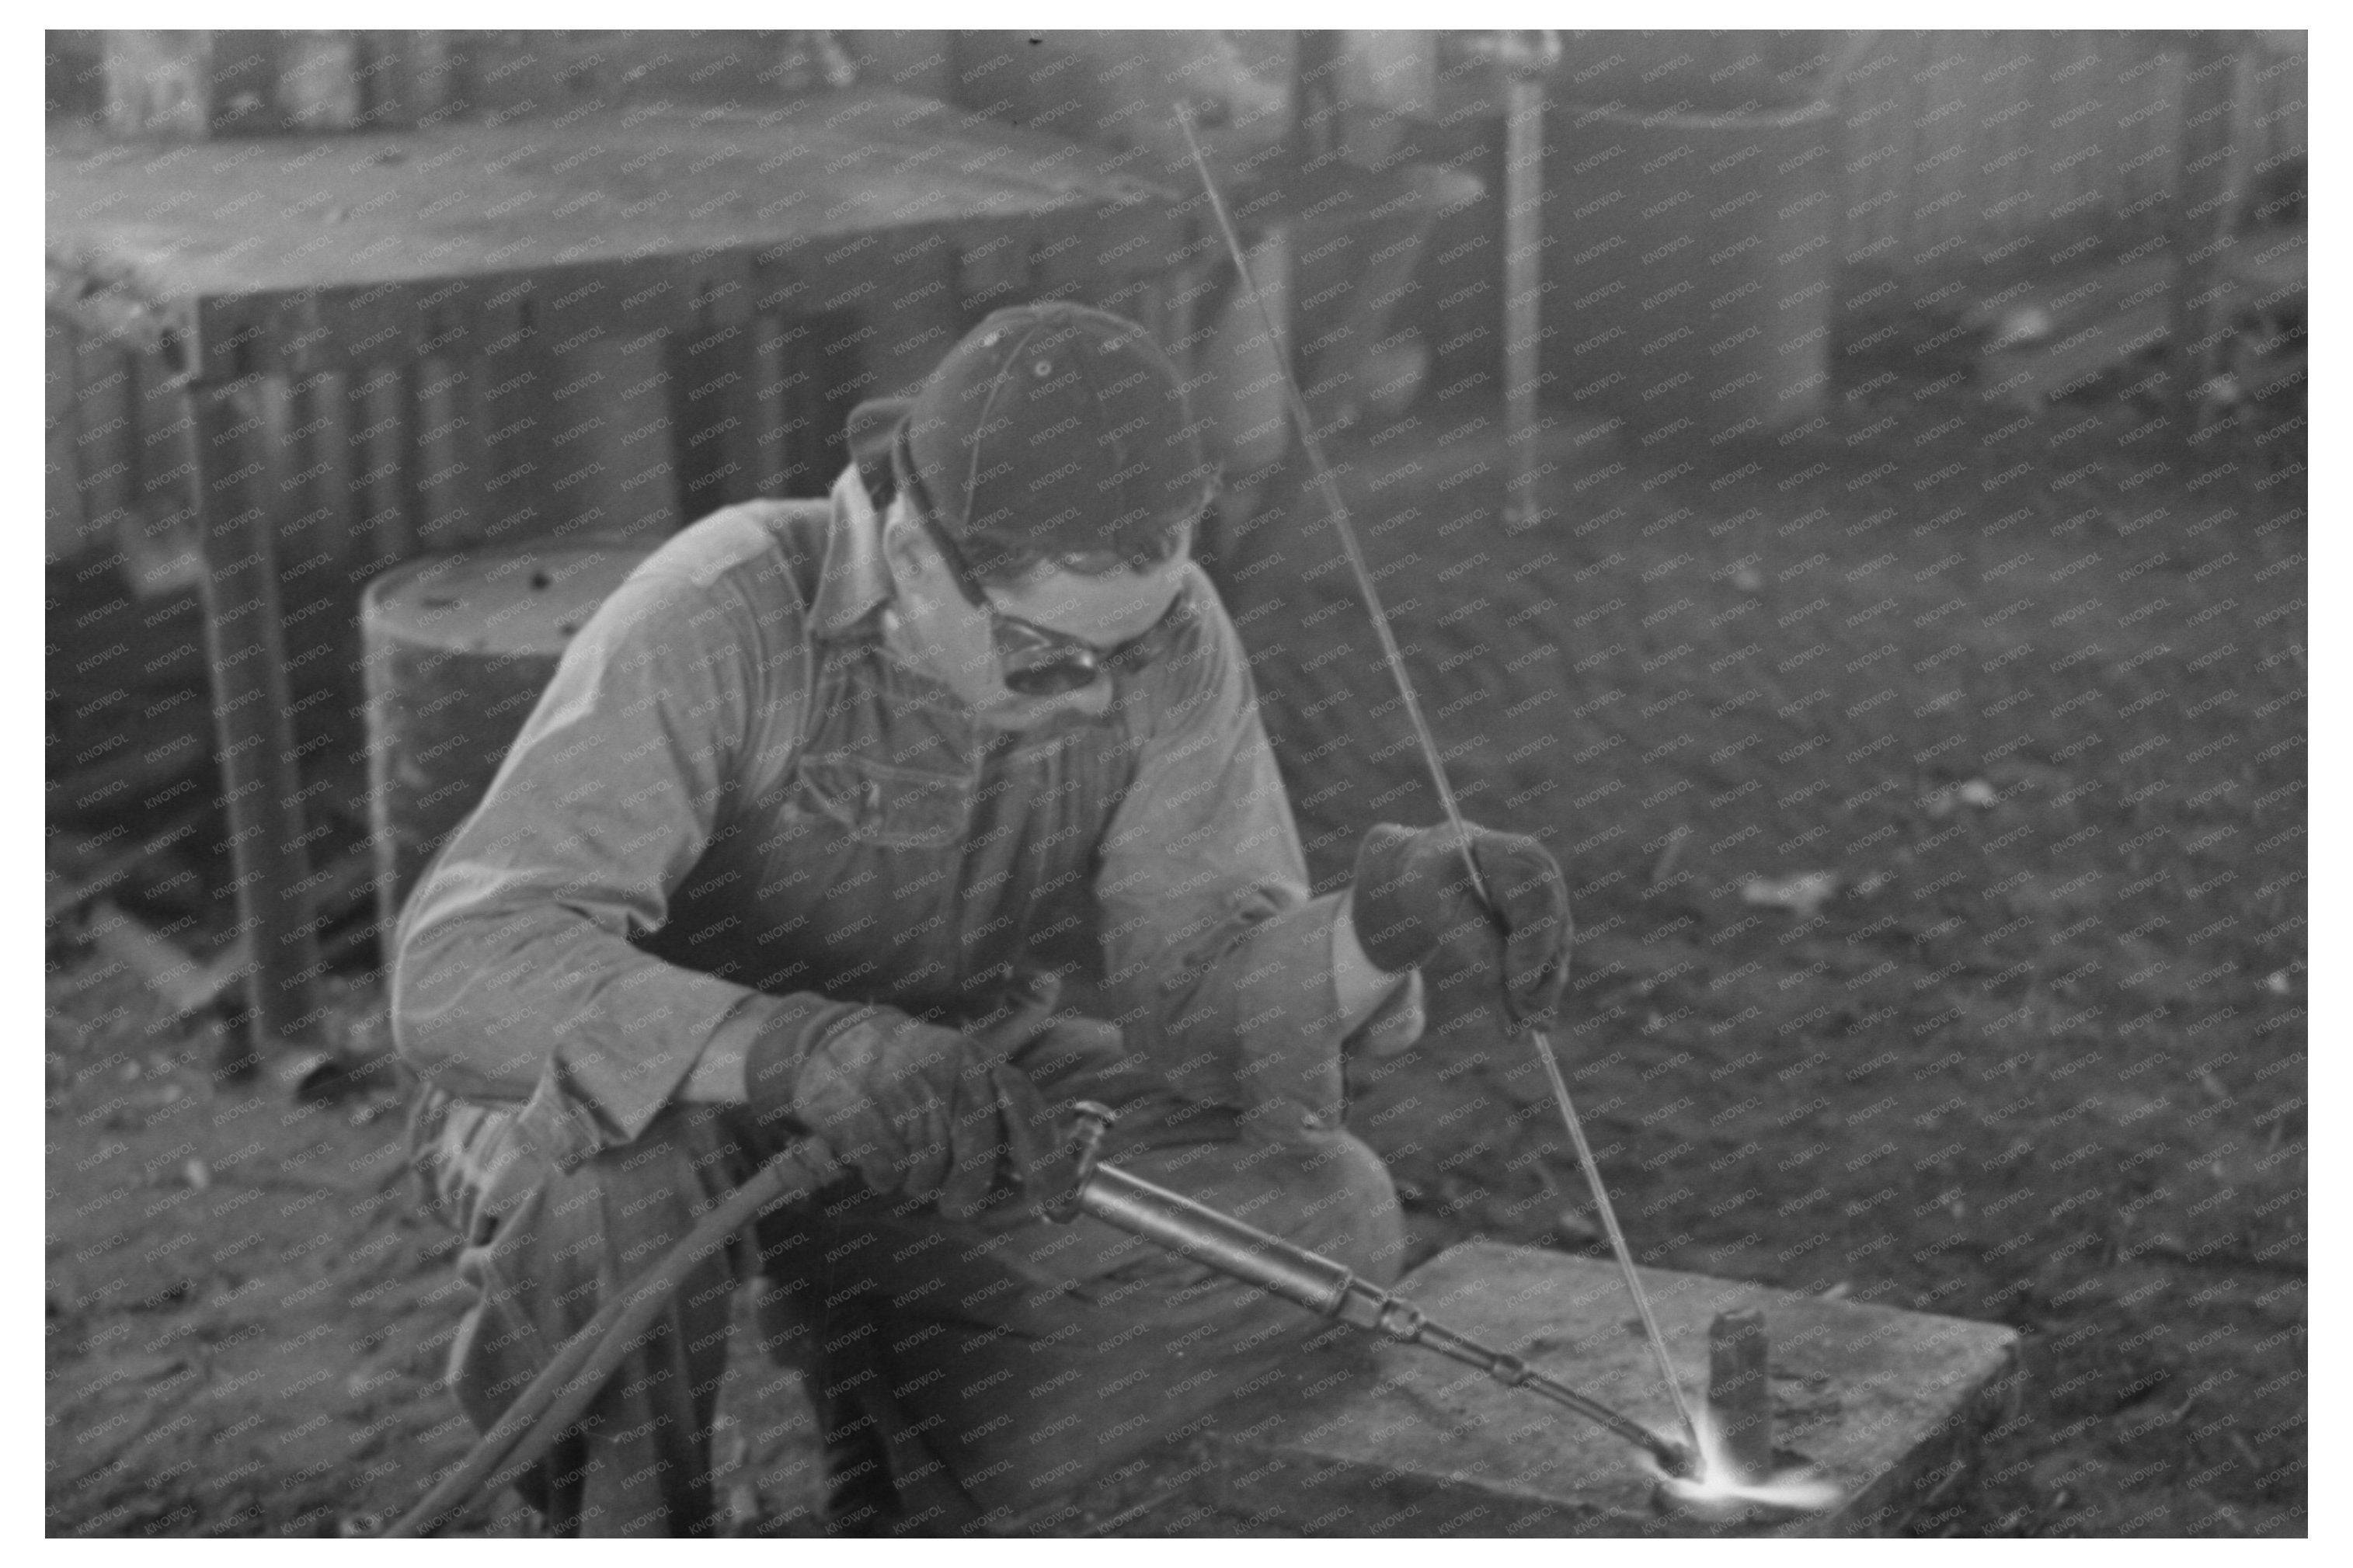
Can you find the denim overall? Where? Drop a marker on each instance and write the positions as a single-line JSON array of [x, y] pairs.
[[962, 1374]]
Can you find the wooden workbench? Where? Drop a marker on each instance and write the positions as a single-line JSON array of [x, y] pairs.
[[233, 260]]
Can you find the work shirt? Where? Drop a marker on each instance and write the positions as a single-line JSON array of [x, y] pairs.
[[733, 791]]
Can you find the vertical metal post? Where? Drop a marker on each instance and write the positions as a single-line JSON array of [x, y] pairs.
[[1740, 1395], [1522, 288], [260, 777], [2205, 202]]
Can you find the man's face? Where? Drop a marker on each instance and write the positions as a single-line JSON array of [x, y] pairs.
[[952, 639]]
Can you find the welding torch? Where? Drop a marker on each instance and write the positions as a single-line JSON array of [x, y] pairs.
[[1285, 1269]]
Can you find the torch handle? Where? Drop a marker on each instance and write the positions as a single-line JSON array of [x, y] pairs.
[[1196, 1231]]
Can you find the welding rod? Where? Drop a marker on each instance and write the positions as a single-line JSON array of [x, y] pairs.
[[1433, 760], [1329, 1288]]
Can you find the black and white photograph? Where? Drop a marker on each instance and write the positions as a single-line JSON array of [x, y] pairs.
[[1297, 785]]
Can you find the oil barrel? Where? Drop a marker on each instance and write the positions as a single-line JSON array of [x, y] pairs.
[[457, 648]]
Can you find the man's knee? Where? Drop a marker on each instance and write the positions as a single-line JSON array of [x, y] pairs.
[[1347, 1208], [1326, 1191]]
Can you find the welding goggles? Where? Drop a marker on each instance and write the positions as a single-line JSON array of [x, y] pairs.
[[1035, 660]]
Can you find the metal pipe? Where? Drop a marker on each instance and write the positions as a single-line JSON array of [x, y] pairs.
[[1522, 272]]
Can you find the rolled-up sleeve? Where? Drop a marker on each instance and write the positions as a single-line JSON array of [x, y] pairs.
[[515, 971], [1220, 960]]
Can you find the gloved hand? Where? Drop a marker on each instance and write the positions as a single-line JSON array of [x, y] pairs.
[[913, 1108], [1414, 898]]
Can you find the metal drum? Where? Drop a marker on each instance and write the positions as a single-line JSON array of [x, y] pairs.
[[458, 649]]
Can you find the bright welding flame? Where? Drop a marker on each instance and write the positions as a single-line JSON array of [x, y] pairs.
[[1718, 1487]]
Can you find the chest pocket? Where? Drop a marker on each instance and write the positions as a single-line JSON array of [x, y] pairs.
[[884, 806]]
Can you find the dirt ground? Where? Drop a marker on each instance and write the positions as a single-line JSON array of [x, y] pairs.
[[2004, 721]]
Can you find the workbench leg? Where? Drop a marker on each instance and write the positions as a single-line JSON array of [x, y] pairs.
[[244, 643], [415, 510], [1522, 296]]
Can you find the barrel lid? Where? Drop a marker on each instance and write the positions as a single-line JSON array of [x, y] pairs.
[[522, 601]]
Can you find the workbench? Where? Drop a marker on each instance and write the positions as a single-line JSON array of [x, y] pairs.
[[232, 261]]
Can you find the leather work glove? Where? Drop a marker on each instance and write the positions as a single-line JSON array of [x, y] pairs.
[[1414, 900], [913, 1108]]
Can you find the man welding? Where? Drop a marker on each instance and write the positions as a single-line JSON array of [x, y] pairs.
[[903, 820]]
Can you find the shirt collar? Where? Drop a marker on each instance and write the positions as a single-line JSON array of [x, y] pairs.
[[854, 581]]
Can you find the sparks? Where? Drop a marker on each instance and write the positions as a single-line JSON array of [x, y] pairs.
[[1718, 1491]]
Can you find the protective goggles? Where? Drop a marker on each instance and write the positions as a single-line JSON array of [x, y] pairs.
[[1032, 660]]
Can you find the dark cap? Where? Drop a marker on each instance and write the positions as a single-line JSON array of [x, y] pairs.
[[1054, 431]]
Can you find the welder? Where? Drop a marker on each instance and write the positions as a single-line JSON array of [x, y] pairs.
[[903, 820]]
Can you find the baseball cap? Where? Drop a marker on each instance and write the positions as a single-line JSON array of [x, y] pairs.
[[1057, 431]]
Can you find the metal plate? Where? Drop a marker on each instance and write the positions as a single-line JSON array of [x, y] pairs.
[[1878, 1398]]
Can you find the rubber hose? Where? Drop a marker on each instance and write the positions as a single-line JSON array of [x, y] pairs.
[[561, 1393]]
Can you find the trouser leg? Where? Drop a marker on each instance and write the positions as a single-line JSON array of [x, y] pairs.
[[638, 1462], [818, 1316]]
